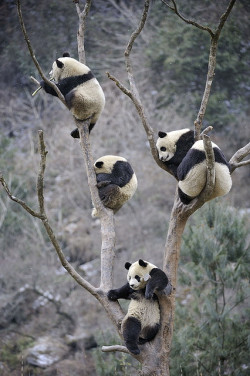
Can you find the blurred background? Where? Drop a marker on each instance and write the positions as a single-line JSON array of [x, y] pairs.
[[41, 307]]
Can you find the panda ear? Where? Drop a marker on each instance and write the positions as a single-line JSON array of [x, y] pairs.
[[66, 54], [59, 64], [99, 164], [127, 265], [162, 134], [143, 263]]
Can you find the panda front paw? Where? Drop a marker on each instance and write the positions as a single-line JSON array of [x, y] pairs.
[[149, 294], [112, 295]]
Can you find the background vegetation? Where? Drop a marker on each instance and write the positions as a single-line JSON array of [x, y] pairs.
[[170, 62]]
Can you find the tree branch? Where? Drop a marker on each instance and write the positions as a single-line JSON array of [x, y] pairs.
[[133, 92], [17, 200], [82, 15], [50, 83], [190, 22], [212, 59], [236, 159], [115, 348]]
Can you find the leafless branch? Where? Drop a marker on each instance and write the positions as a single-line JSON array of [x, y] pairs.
[[133, 92], [32, 54], [115, 348], [82, 15], [211, 70], [17, 200], [236, 159], [190, 22], [212, 58]]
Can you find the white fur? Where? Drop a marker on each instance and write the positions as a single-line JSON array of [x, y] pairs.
[[169, 142], [195, 180], [142, 272], [147, 311], [126, 192], [89, 99]]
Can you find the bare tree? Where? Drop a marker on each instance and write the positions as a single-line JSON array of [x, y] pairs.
[[155, 355]]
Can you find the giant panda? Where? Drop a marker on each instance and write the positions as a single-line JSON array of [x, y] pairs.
[[186, 159], [173, 146], [142, 321], [83, 93], [116, 181]]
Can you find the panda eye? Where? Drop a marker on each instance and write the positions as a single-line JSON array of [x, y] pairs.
[[129, 278], [137, 278], [163, 148]]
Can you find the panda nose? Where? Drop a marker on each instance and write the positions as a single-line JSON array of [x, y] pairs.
[[131, 285]]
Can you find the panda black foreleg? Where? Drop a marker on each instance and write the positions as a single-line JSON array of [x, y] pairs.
[[131, 332], [48, 88], [123, 292], [158, 281]]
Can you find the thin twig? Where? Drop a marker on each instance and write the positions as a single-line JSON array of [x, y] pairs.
[[50, 83], [190, 22], [17, 200]]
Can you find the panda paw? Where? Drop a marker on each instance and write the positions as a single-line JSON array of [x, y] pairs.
[[112, 295], [133, 348], [149, 294]]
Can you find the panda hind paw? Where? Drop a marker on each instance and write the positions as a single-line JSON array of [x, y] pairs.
[[133, 348], [75, 133]]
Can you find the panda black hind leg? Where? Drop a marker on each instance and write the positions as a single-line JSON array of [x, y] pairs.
[[149, 333], [75, 132], [131, 331]]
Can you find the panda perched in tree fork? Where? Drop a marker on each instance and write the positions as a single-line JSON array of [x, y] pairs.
[[83, 93]]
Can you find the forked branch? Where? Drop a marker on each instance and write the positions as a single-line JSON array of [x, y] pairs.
[[82, 15], [212, 58], [236, 160]]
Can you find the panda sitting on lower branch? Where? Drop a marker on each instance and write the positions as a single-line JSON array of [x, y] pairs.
[[186, 159], [142, 321], [82, 92], [116, 181]]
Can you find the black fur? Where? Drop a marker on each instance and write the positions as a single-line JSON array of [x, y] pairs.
[[185, 199], [149, 333], [157, 282], [123, 292], [121, 174], [75, 132], [131, 332], [67, 84], [184, 143], [192, 158], [195, 157], [142, 263]]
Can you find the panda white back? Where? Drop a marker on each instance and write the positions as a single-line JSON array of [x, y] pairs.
[[192, 173]]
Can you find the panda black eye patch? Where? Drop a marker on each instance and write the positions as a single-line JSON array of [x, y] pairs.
[[137, 278], [163, 148]]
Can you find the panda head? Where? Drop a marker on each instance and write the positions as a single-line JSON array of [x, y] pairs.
[[138, 273], [105, 164], [66, 66], [166, 146]]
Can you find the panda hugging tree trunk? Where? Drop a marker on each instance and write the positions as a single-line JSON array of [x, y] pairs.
[[150, 341]]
